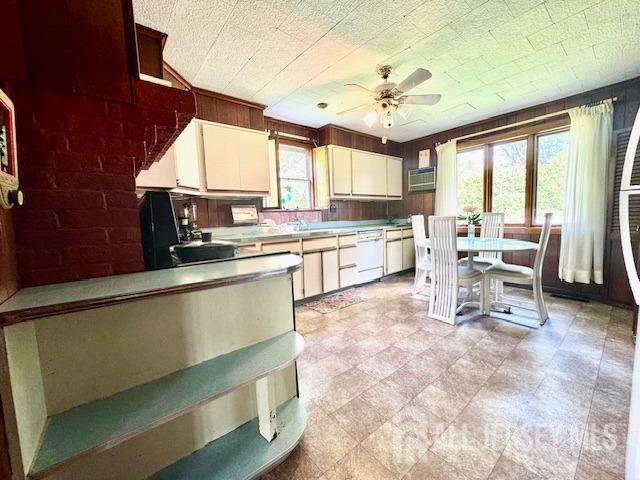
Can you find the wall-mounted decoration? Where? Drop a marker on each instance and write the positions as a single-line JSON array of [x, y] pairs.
[[424, 158], [10, 194]]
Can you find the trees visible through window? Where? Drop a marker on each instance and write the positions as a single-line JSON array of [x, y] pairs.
[[509, 180], [552, 152], [470, 169], [295, 177], [522, 177]]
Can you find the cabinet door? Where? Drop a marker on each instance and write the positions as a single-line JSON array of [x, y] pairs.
[[330, 277], [341, 170], [394, 177], [221, 157], [408, 253], [348, 276], [254, 161], [348, 256], [188, 153], [394, 256], [369, 174], [312, 274], [161, 174], [298, 285]]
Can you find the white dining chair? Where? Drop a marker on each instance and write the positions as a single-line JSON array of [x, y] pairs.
[[492, 226], [521, 275], [423, 261], [446, 274]]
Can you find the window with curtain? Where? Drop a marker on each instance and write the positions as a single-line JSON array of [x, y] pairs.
[[552, 152], [295, 176], [509, 180], [522, 176], [471, 178]]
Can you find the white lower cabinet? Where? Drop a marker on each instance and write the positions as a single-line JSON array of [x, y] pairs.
[[312, 272], [408, 253], [394, 256], [330, 277], [348, 276]]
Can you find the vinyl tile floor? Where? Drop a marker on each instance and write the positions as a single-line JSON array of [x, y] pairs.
[[393, 394]]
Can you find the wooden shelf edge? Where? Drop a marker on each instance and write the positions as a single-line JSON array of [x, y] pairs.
[[67, 427], [243, 452]]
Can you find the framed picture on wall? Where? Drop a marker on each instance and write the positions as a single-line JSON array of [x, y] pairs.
[[9, 193]]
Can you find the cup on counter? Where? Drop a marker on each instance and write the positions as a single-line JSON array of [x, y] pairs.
[[207, 236]]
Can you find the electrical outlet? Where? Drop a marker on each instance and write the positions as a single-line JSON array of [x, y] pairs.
[[333, 208]]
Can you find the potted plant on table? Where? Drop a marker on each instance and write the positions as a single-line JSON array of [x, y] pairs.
[[472, 218]]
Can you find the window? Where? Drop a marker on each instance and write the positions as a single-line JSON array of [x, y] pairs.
[[294, 176], [509, 180], [522, 175], [552, 152], [470, 166]]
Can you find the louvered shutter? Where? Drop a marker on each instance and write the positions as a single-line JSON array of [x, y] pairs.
[[621, 139]]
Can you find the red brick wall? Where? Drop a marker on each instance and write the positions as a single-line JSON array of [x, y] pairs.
[[78, 161]]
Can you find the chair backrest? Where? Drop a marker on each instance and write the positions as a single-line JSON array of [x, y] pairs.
[[419, 234], [444, 251], [542, 245], [492, 226]]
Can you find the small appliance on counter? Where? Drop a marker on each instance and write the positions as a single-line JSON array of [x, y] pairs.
[[187, 223], [158, 229]]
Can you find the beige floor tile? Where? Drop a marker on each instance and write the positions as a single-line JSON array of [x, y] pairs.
[[465, 453], [359, 464], [415, 419], [507, 469], [394, 448], [434, 467], [385, 374], [385, 399], [443, 404], [358, 419], [297, 466], [326, 443]]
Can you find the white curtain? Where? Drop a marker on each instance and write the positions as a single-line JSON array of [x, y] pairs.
[[583, 228], [446, 179]]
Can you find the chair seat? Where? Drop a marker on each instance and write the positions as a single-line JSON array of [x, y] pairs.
[[480, 262], [465, 273], [510, 272]]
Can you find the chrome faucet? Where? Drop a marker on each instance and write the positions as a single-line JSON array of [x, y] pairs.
[[298, 223]]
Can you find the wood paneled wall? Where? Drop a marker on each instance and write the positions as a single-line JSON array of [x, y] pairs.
[[216, 107], [616, 288]]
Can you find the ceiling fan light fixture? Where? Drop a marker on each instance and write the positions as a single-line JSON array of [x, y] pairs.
[[371, 118], [387, 121]]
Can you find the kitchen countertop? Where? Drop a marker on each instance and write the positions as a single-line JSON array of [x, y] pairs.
[[36, 302], [316, 230]]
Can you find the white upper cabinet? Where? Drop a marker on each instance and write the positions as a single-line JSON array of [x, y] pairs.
[[213, 158], [369, 174], [359, 175], [188, 151], [394, 177], [235, 159], [340, 170], [162, 174]]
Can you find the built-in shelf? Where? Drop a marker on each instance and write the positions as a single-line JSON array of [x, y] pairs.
[[242, 453], [107, 422]]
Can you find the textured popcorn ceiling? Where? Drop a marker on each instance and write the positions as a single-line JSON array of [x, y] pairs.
[[487, 56]]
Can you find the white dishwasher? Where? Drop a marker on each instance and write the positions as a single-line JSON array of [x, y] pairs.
[[370, 255]]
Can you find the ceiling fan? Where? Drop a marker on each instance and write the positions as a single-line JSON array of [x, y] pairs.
[[389, 98]]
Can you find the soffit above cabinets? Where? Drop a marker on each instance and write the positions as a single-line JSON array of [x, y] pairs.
[[487, 57]]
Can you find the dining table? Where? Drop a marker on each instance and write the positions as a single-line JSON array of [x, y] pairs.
[[472, 246]]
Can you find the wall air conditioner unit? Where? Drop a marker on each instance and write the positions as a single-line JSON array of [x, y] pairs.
[[422, 180]]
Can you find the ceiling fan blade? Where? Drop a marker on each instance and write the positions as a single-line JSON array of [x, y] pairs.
[[402, 112], [354, 108], [359, 88], [416, 78], [419, 99]]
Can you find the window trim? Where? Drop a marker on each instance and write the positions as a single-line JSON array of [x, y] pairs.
[[310, 170], [530, 134]]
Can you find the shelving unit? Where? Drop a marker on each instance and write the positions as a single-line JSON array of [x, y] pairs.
[[242, 453], [107, 422]]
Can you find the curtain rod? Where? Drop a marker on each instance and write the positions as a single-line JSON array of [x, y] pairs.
[[524, 122], [291, 136]]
